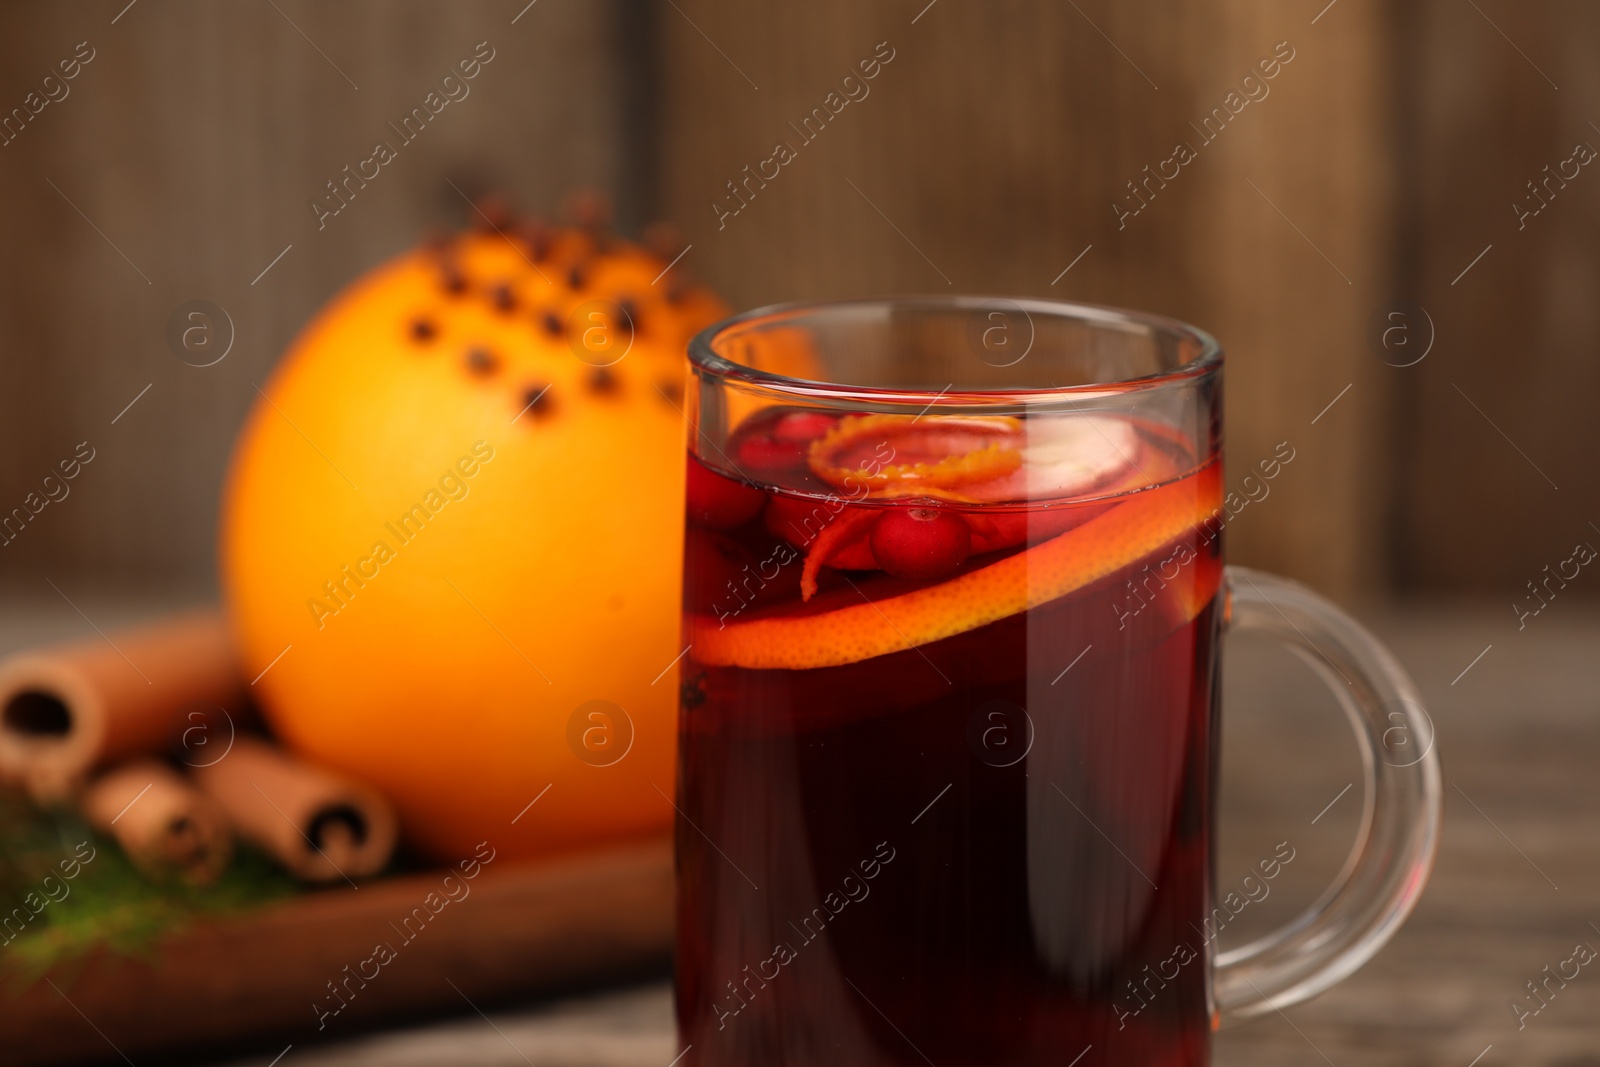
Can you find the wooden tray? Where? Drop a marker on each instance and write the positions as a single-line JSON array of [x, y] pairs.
[[255, 982]]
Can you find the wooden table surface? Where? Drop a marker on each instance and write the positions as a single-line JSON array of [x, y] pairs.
[[1516, 887]]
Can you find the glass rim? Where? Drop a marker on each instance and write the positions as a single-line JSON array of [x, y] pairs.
[[702, 356]]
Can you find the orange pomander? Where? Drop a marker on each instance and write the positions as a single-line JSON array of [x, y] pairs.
[[451, 538]]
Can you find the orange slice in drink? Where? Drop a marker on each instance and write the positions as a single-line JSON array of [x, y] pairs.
[[1122, 535], [958, 459], [850, 525], [1065, 456], [940, 452]]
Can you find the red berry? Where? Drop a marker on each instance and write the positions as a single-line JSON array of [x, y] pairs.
[[777, 441], [719, 501], [922, 544], [803, 426]]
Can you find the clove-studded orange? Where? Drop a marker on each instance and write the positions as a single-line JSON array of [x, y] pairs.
[[452, 525]]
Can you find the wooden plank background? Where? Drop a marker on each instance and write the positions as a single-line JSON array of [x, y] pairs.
[[194, 142], [1519, 334], [987, 157]]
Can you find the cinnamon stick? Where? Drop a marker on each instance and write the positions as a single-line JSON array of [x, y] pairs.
[[168, 828], [68, 710], [320, 825]]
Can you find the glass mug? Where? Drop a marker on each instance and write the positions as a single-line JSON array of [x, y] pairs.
[[953, 597]]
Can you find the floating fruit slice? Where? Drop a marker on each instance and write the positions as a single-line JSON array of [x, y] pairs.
[[1003, 527], [1099, 547], [975, 459], [937, 451], [1063, 460], [1066, 456], [851, 525]]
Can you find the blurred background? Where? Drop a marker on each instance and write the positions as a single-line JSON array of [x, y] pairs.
[[992, 152], [1394, 236]]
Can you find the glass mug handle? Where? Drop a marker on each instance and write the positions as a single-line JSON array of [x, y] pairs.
[[1394, 849]]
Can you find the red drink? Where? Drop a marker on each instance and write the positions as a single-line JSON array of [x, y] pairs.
[[946, 742]]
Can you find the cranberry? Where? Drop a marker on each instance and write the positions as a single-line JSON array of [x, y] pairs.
[[777, 441], [920, 543], [715, 500], [802, 426]]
